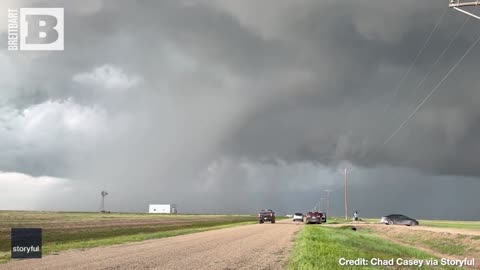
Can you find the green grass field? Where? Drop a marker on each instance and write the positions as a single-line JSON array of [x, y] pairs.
[[446, 246], [474, 225], [320, 247], [63, 231]]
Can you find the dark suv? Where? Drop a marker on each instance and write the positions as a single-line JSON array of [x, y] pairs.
[[266, 215], [313, 217], [324, 217]]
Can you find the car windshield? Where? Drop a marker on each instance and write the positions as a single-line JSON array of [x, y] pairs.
[[298, 214]]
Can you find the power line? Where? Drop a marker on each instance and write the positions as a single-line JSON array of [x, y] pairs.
[[405, 75], [431, 92], [434, 89], [442, 54], [419, 53], [468, 13]]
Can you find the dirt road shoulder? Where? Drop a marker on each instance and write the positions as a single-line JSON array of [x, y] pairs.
[[258, 246]]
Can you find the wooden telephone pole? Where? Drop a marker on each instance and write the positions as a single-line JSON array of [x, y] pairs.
[[346, 200], [457, 4], [328, 202]]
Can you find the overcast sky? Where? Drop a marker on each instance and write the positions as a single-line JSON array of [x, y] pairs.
[[231, 106]]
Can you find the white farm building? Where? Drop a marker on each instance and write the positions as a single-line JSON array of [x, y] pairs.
[[162, 209]]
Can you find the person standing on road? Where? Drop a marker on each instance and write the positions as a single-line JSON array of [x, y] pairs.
[[355, 216]]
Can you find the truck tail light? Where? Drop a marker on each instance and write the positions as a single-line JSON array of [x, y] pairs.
[[271, 214]]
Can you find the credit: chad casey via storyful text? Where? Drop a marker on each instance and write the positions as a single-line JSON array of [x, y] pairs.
[[406, 262]]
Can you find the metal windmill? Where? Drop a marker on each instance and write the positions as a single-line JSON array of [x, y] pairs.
[[104, 193]]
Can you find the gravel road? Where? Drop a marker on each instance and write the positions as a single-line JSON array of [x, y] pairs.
[[258, 246]]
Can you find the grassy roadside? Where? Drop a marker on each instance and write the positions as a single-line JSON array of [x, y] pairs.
[[320, 247], [62, 231], [471, 225], [447, 244], [456, 224], [338, 220]]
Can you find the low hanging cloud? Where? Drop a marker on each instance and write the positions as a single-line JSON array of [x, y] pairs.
[[52, 120], [272, 175], [107, 77], [25, 192], [38, 136]]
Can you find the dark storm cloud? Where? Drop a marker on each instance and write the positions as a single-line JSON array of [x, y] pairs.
[[217, 96], [344, 117]]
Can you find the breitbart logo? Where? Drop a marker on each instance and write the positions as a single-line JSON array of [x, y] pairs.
[[35, 29]]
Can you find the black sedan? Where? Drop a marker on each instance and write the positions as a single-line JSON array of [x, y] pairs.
[[398, 219]]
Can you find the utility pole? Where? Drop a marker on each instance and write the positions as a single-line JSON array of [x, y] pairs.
[[322, 204], [459, 3], [345, 179], [345, 195], [328, 202], [456, 4]]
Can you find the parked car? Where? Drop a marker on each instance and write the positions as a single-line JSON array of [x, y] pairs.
[[313, 217], [398, 219], [298, 217], [266, 215], [324, 217]]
